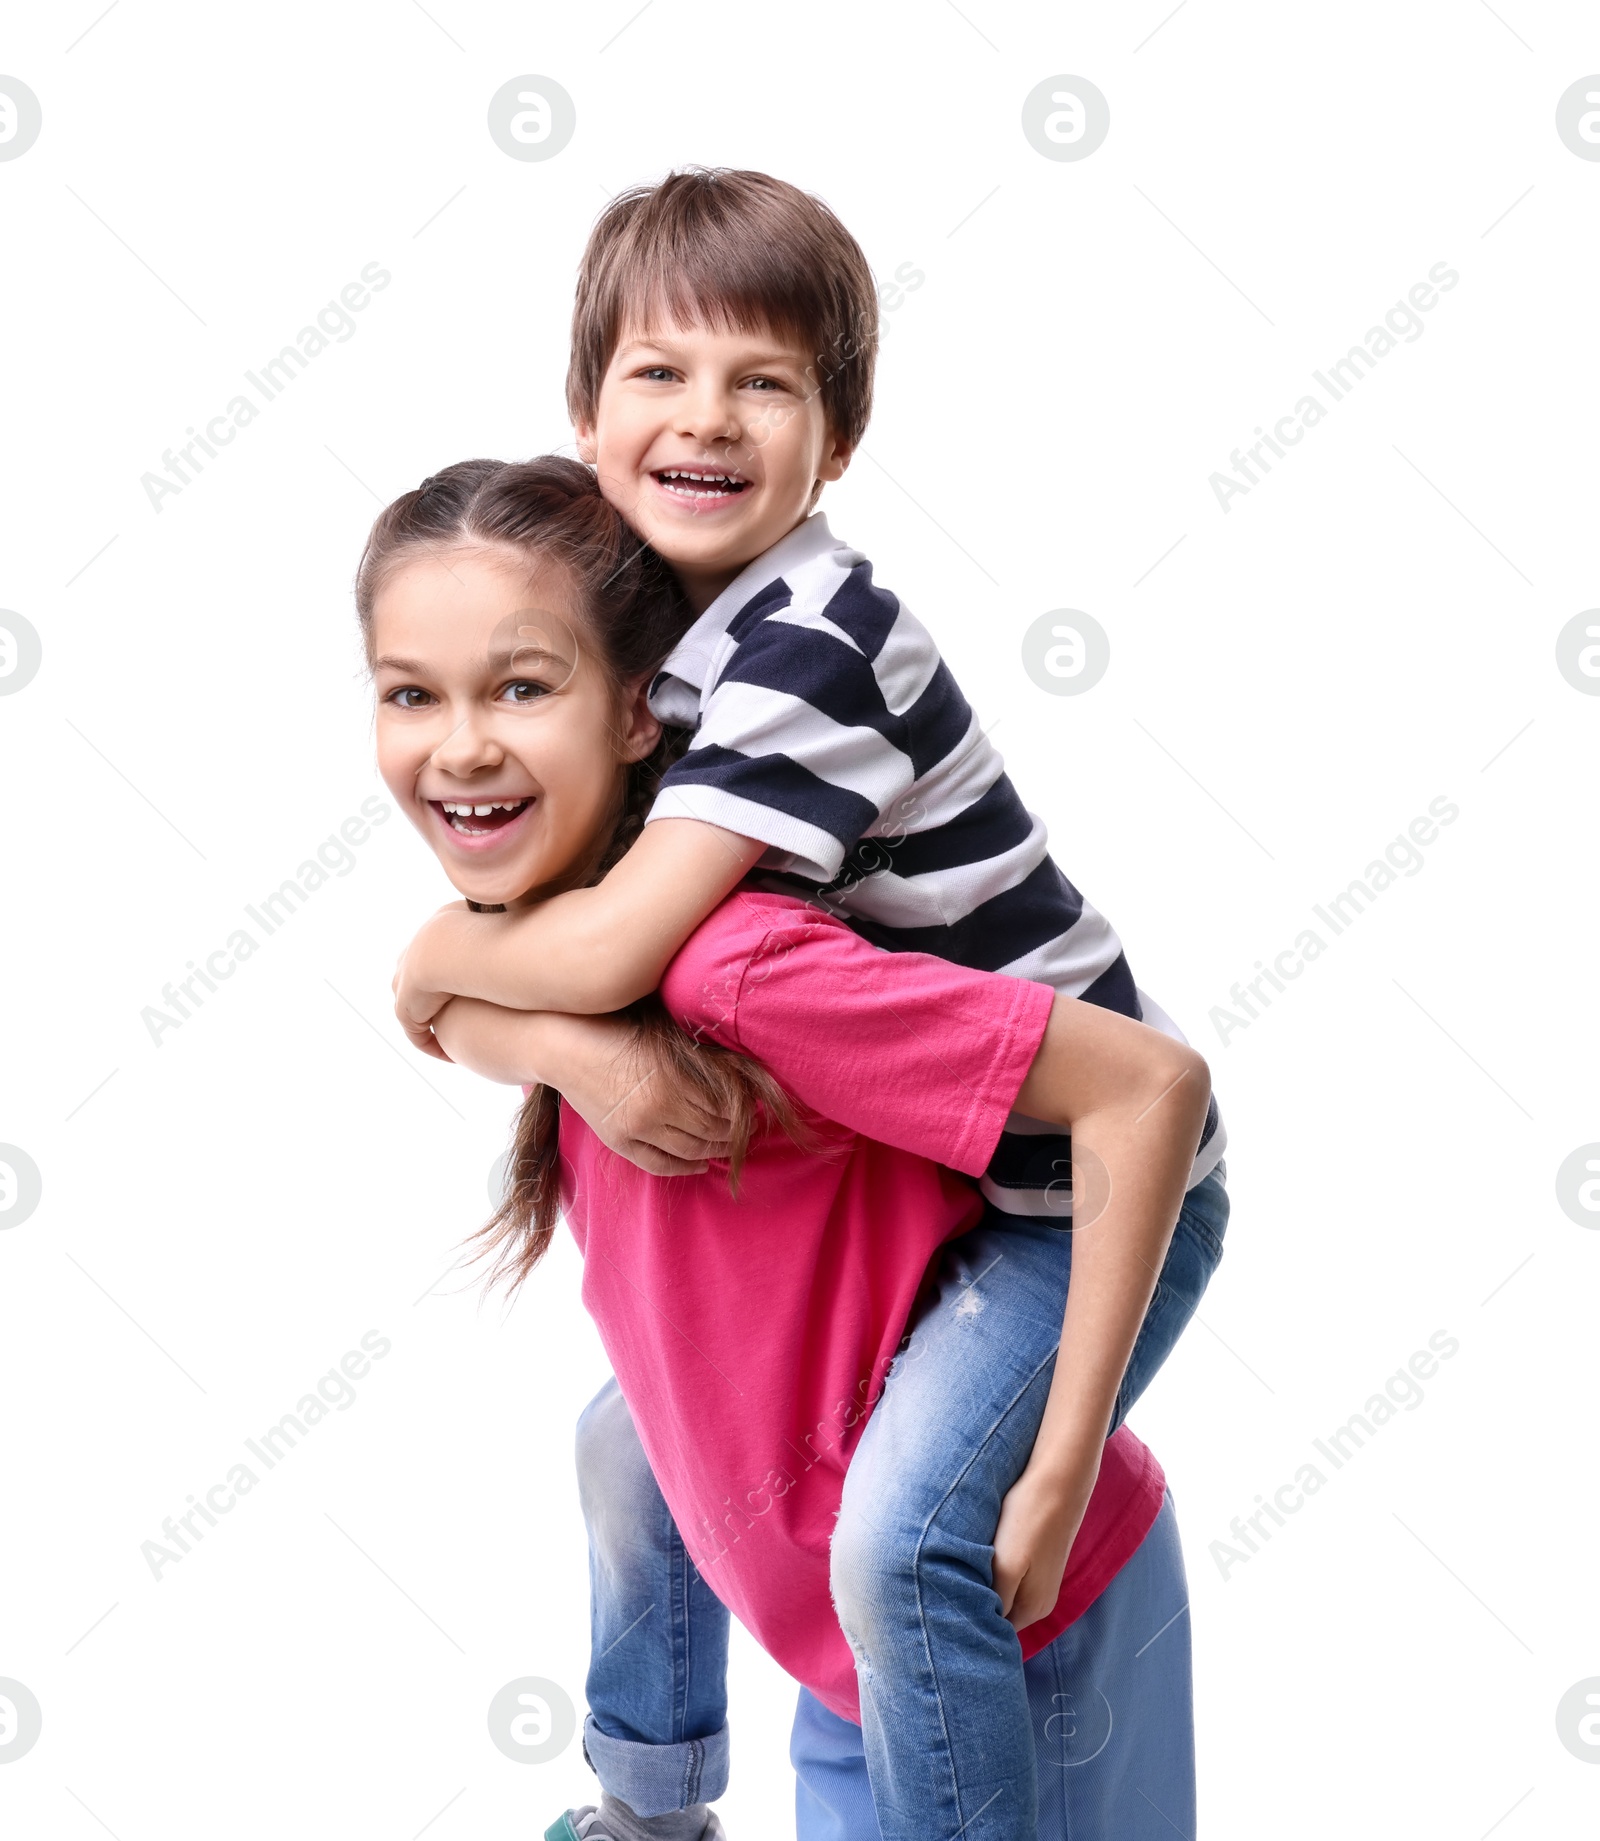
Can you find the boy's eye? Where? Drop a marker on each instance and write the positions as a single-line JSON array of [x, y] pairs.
[[658, 373], [409, 697], [765, 383]]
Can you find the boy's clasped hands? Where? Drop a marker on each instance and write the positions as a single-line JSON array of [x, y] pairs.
[[621, 1087]]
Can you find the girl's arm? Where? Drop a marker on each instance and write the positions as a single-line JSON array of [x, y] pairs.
[[1135, 1103], [589, 951], [594, 1062]]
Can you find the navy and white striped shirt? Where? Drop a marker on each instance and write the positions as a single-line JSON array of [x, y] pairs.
[[828, 727]]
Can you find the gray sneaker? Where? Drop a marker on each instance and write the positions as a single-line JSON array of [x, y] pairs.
[[585, 1825], [579, 1825]]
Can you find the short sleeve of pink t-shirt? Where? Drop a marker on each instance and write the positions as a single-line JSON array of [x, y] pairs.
[[905, 1048]]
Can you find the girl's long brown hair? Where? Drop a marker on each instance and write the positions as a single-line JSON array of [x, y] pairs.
[[551, 509]]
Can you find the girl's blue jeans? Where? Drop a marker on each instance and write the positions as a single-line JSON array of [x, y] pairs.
[[949, 1713], [1110, 1721]]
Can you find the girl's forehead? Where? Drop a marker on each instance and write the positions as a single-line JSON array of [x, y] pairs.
[[478, 569], [476, 608]]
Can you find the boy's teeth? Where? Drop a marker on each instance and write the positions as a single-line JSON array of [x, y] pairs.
[[711, 484]]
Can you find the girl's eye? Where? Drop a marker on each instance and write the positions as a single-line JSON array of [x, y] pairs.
[[409, 697], [525, 690]]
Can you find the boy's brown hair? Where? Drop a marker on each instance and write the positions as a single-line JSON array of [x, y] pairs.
[[736, 250]]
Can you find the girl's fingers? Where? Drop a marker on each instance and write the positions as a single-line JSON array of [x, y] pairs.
[[691, 1147], [688, 1121], [658, 1163]]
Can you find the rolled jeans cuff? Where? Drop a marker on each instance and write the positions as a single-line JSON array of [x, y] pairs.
[[658, 1779]]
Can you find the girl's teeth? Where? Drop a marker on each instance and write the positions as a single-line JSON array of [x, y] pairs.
[[458, 814]]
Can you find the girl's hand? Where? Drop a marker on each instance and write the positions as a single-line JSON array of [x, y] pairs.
[[623, 1092], [420, 978], [1039, 1521], [626, 1095]]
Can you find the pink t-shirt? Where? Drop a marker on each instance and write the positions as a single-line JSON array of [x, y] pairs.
[[751, 1336]]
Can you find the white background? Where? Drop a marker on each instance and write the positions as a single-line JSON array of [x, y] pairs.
[[1371, 627]]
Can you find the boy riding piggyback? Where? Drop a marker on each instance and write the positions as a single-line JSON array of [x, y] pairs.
[[724, 339]]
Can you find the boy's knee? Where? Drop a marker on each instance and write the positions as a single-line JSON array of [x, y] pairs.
[[892, 1575], [873, 1572]]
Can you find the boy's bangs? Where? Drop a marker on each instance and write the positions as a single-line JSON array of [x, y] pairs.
[[724, 289]]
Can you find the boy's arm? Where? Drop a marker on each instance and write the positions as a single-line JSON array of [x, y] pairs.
[[759, 756], [1135, 1103], [588, 951], [616, 1086]]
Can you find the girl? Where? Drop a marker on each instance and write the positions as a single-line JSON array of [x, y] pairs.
[[512, 624]]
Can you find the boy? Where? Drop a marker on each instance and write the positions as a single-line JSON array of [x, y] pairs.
[[723, 346]]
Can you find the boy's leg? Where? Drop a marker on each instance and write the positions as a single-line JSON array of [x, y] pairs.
[[1110, 1711], [657, 1731], [944, 1706], [944, 1703]]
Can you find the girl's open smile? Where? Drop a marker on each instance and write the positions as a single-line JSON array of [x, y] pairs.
[[482, 823], [499, 727]]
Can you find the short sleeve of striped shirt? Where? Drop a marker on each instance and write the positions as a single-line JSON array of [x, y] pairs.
[[816, 723]]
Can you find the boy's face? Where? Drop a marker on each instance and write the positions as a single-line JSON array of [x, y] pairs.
[[711, 444]]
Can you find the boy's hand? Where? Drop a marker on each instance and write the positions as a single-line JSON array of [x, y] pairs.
[[1039, 1521], [421, 977]]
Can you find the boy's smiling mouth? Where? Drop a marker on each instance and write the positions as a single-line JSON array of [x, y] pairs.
[[700, 486]]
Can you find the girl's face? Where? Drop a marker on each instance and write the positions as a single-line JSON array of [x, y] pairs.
[[500, 733]]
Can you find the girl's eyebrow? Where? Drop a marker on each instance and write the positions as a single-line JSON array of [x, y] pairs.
[[498, 660]]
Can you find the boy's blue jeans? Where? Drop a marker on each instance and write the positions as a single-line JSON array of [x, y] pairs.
[[947, 1728]]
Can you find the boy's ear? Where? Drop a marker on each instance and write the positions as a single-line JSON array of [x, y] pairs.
[[586, 444], [836, 456], [639, 729]]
